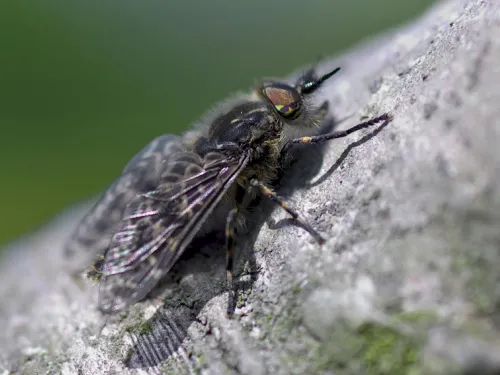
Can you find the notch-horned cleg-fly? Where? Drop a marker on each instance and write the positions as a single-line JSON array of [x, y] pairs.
[[179, 188]]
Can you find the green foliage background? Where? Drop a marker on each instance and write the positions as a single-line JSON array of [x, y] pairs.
[[84, 85]]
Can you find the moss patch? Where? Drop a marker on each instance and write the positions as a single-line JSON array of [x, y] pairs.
[[243, 297], [143, 328], [374, 348]]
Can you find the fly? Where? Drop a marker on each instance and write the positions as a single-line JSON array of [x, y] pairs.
[[179, 188]]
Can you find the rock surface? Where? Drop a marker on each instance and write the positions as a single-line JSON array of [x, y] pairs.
[[407, 283]]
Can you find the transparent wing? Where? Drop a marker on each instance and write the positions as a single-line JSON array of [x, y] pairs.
[[94, 232], [158, 225]]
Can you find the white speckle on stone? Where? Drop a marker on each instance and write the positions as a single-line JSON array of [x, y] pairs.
[[32, 351]]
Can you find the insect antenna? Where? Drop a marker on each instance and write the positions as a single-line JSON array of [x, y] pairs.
[[310, 83]]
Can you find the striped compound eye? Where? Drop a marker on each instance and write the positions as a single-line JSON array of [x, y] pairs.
[[285, 99]]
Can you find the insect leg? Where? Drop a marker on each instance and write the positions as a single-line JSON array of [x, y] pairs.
[[268, 193], [385, 118], [230, 234]]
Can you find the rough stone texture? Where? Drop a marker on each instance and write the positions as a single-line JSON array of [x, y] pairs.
[[407, 283]]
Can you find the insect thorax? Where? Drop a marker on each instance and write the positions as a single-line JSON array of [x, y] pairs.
[[248, 126]]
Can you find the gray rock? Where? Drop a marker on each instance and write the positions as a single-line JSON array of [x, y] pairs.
[[407, 283]]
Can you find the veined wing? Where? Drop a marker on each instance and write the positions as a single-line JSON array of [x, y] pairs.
[[159, 225], [141, 174]]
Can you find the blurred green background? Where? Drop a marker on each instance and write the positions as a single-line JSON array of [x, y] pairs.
[[84, 85]]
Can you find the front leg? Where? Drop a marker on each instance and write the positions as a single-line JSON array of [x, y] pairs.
[[385, 119]]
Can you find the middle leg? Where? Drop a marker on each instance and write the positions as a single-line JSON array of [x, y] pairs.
[[270, 194]]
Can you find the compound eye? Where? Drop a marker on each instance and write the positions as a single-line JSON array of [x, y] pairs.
[[285, 99]]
